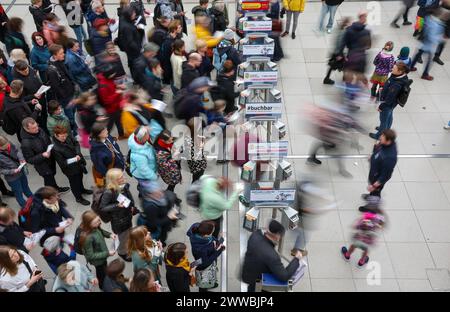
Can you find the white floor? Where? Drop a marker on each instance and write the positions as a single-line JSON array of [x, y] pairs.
[[414, 252]]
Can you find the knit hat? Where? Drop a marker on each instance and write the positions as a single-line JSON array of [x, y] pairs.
[[52, 243], [151, 47], [228, 34], [404, 52], [276, 227], [100, 22]]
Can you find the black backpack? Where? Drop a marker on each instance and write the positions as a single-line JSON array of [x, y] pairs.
[[8, 125], [95, 206], [403, 95], [76, 242]]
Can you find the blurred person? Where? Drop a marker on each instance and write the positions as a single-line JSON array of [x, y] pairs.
[[215, 115], [158, 33], [426, 7], [38, 11], [337, 58], [54, 255], [206, 66], [143, 164], [190, 69], [277, 28], [100, 35], [153, 84], [404, 57], [384, 62], [11, 158], [330, 7], [105, 153], [225, 87], [178, 65], [77, 65], [53, 32], [114, 280], [87, 115], [213, 202], [47, 212], [168, 163], [67, 153], [35, 149], [14, 38], [174, 30], [141, 64], [145, 252], [56, 117], [138, 6], [406, 6], [179, 13], [75, 21], [178, 271], [74, 277], [129, 37], [202, 32], [121, 215], [96, 11], [226, 48], [382, 162], [217, 15], [3, 22], [293, 9], [111, 56], [433, 35], [225, 11], [93, 244], [11, 233], [262, 258], [19, 272], [437, 55], [201, 8], [208, 248], [144, 281], [40, 55], [389, 97]]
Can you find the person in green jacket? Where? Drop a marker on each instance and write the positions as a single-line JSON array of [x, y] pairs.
[[213, 201], [56, 117], [93, 245]]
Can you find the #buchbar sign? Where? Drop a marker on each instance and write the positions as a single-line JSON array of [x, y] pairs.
[[263, 109]]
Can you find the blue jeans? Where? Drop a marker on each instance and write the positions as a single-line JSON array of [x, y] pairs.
[[20, 187], [331, 9], [80, 33], [428, 63], [386, 118]]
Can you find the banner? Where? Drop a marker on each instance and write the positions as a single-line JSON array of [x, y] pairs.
[[258, 49], [261, 76], [286, 195], [257, 25]]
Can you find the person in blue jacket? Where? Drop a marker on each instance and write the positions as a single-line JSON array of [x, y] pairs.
[[206, 247], [40, 55], [54, 255], [76, 64], [142, 155]]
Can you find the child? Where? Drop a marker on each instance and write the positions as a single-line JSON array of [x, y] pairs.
[[404, 57], [216, 115], [367, 228], [168, 167], [177, 59], [56, 116], [54, 255], [384, 62]]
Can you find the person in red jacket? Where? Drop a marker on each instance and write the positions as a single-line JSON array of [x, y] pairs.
[[4, 89], [110, 97]]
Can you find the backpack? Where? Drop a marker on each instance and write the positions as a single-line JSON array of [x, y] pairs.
[[8, 125], [128, 164], [219, 60], [76, 242], [24, 215], [96, 199], [193, 192], [168, 168], [403, 95]]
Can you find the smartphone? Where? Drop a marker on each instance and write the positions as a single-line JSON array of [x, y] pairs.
[[196, 263], [37, 272]]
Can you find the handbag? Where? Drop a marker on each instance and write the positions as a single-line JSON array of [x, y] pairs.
[[39, 286], [207, 278]]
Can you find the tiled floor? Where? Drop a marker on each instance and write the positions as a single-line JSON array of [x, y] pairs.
[[416, 243]]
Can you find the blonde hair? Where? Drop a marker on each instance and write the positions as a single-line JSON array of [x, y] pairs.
[[200, 43], [17, 54], [64, 270], [111, 179], [137, 242]]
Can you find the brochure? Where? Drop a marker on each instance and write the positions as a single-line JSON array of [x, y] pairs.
[[124, 200]]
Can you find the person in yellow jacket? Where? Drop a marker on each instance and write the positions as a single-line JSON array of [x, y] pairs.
[[292, 8], [202, 32]]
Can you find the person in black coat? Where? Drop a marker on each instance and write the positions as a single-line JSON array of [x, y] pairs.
[[225, 87], [14, 38], [47, 212], [382, 162], [190, 69], [159, 33], [178, 271], [38, 11], [35, 143], [15, 109], [115, 280], [261, 256], [121, 214], [67, 153], [129, 38], [154, 85], [140, 65], [165, 52], [10, 232]]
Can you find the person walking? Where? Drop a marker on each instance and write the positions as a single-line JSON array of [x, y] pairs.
[[328, 7], [74, 277], [293, 9], [406, 6]]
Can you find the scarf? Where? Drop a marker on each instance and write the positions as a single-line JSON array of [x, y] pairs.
[[54, 207], [184, 263]]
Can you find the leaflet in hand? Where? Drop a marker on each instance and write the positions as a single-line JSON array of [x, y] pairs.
[[64, 224], [21, 166], [34, 239], [115, 244], [42, 89], [69, 239], [49, 148], [124, 200]]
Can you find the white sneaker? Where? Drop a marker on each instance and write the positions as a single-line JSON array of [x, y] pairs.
[[447, 127]]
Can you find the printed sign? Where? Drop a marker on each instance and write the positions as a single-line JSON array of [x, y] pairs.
[[261, 76], [255, 5], [267, 151], [257, 25], [286, 195], [263, 109], [258, 49]]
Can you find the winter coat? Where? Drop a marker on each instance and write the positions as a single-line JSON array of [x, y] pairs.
[[165, 54], [189, 73], [155, 213], [3, 19], [132, 118], [130, 39], [433, 34], [63, 151], [39, 15], [33, 145], [391, 90], [31, 83], [225, 91], [16, 40], [87, 117], [102, 157], [384, 62], [43, 218], [261, 257], [225, 46], [60, 81], [203, 248], [178, 279], [12, 235], [79, 70], [426, 6], [190, 106], [357, 37], [153, 85], [114, 60], [142, 160], [16, 110], [138, 68], [108, 95], [382, 163], [39, 58], [205, 67], [98, 41], [213, 201], [82, 285], [218, 20], [204, 34], [294, 5], [9, 161], [94, 247], [120, 217], [61, 119]]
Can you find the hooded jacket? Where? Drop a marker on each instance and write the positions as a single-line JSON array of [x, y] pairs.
[[142, 160], [189, 74], [60, 81], [39, 58], [391, 90], [130, 40], [79, 70], [203, 247], [225, 46], [356, 37], [53, 120], [99, 40], [102, 157], [382, 163], [218, 20], [108, 95], [16, 110], [153, 85]]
